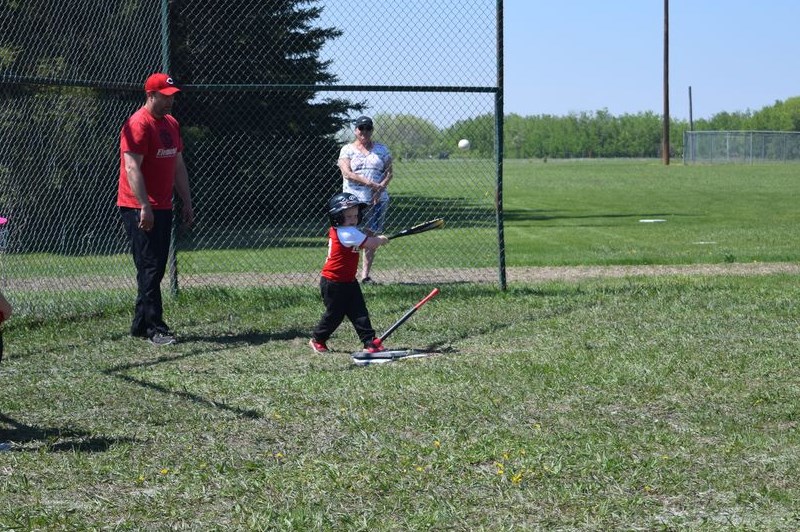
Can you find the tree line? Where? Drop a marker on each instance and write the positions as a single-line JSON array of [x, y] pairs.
[[585, 134], [600, 134]]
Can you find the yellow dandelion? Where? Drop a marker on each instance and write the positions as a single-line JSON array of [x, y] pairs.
[[164, 471], [437, 443], [522, 452], [505, 456], [517, 479], [420, 468], [278, 455]]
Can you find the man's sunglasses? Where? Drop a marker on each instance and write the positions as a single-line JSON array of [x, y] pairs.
[[365, 128]]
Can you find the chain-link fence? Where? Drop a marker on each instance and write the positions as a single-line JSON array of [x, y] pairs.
[[269, 93], [744, 147]]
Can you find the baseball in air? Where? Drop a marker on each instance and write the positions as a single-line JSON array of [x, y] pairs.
[[463, 144]]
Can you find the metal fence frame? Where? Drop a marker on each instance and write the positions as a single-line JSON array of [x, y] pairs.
[[52, 291], [741, 147]]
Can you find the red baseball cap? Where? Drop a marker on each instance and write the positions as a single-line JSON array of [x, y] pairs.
[[162, 83]]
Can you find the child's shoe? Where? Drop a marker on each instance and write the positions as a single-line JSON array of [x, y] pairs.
[[318, 347], [375, 346]]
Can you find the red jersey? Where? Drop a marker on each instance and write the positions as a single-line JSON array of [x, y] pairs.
[[344, 244], [159, 141]]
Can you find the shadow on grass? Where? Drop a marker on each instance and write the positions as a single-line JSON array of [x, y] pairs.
[[223, 342], [404, 211], [117, 373], [192, 397], [248, 338], [53, 439], [534, 215]]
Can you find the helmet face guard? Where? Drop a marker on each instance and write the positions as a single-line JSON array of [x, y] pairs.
[[340, 203]]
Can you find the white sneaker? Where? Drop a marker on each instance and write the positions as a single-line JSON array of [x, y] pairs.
[[162, 339]]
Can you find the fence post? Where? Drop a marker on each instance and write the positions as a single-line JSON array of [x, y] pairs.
[[173, 236], [498, 111]]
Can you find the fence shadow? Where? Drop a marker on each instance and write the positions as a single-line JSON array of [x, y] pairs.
[[537, 215], [223, 342], [53, 439], [404, 211]]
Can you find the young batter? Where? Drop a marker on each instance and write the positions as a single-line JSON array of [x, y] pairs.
[[341, 293]]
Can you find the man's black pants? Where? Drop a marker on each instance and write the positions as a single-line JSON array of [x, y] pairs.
[[150, 252]]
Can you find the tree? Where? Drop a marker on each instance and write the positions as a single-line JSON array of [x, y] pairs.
[[408, 136], [252, 150], [782, 116], [58, 137], [257, 144]]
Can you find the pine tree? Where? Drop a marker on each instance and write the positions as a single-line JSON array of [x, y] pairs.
[[260, 147]]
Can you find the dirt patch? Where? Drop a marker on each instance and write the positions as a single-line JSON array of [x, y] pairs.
[[419, 276], [571, 273]]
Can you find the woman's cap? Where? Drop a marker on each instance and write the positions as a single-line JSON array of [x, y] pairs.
[[363, 121]]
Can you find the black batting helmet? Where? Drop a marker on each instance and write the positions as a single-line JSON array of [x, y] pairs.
[[340, 203]]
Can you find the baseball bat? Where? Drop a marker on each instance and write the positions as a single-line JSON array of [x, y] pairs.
[[419, 228], [407, 315]]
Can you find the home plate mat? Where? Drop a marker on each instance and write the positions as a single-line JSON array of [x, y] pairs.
[[362, 358]]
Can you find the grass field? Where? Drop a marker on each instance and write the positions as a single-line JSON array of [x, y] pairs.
[[558, 213], [588, 212], [661, 403]]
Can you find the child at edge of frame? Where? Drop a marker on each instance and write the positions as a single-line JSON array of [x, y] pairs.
[[341, 292], [5, 306]]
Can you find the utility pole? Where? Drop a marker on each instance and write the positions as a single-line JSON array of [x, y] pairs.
[[665, 136]]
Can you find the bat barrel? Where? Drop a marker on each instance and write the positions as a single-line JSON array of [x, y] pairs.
[[428, 297], [407, 315]]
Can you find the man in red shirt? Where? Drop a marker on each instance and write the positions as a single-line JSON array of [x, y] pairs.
[[151, 167], [341, 293]]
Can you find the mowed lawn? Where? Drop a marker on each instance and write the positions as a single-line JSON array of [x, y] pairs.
[[637, 403], [590, 212]]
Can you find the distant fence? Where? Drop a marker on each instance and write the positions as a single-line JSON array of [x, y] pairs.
[[742, 147]]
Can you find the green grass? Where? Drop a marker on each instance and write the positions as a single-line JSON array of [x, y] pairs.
[[588, 212], [556, 213], [664, 403]]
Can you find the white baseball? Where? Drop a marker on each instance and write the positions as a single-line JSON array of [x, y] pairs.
[[463, 144]]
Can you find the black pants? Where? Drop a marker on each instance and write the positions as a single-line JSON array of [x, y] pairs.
[[150, 252], [343, 299]]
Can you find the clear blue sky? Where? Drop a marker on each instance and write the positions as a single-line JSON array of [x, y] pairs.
[[565, 56]]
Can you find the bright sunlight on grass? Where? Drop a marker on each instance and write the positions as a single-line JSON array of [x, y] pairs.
[[634, 403]]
